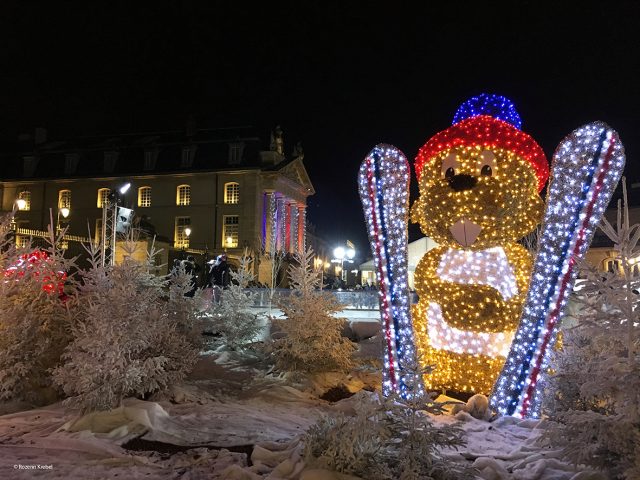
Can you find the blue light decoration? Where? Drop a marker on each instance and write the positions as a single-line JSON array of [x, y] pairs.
[[586, 168], [384, 191], [495, 106]]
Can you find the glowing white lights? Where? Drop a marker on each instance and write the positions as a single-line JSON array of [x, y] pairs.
[[451, 339], [485, 267], [586, 168], [384, 191]]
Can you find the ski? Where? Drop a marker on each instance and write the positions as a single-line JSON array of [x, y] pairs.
[[586, 168], [384, 191]]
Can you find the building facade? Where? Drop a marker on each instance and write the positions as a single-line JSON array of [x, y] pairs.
[[201, 191]]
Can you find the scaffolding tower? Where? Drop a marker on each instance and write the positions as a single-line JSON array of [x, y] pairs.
[[109, 230]]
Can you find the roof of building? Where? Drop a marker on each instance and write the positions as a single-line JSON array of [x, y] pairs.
[[208, 149]]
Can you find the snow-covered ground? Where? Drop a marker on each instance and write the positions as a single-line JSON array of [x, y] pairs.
[[230, 405]]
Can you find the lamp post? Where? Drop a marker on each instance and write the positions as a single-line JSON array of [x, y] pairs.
[[343, 255], [65, 212], [187, 233]]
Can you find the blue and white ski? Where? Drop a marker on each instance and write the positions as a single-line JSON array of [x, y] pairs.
[[586, 168]]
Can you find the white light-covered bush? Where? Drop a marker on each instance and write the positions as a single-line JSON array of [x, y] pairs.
[[311, 338], [386, 439], [34, 316], [233, 317], [594, 393], [128, 337]]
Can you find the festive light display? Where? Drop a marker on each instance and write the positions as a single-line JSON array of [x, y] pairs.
[[384, 191], [479, 181], [38, 264], [586, 168], [496, 106]]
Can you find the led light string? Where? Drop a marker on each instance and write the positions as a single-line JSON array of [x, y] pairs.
[[479, 181], [561, 265], [389, 260], [569, 225], [489, 104], [383, 181], [382, 277], [568, 276]]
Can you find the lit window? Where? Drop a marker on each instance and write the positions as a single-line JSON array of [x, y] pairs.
[[144, 197], [183, 195], [22, 241], [181, 239], [26, 196], [230, 231], [103, 197], [231, 192], [64, 199]]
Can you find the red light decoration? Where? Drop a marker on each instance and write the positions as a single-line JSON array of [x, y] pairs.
[[487, 132], [39, 263]]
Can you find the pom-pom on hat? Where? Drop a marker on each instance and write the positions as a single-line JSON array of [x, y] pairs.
[[489, 121]]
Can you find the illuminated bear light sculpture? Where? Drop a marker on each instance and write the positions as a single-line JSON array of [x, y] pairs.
[[479, 182]]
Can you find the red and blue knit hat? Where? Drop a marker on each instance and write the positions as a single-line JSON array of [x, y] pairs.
[[489, 121]]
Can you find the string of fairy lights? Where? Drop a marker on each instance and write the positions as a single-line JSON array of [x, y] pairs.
[[479, 181], [586, 168], [483, 318], [384, 191]]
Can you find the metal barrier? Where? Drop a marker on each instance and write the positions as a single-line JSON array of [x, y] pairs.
[[353, 300]]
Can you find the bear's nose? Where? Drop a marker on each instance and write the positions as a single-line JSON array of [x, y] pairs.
[[462, 182]]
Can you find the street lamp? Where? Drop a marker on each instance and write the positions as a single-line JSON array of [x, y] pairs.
[[115, 219], [65, 212], [187, 233], [343, 255]]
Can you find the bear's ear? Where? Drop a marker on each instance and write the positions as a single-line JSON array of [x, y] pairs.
[[416, 211]]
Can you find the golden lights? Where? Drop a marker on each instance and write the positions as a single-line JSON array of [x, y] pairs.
[[476, 201]]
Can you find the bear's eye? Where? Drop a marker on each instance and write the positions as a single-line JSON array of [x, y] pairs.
[[449, 165], [487, 163]]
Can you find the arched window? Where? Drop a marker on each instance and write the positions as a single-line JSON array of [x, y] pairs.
[[183, 196], [181, 236], [232, 192], [64, 199], [103, 196], [25, 196], [230, 231], [144, 197]]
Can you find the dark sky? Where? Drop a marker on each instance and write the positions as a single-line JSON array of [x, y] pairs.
[[339, 77]]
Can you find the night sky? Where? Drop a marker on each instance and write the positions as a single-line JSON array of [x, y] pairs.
[[339, 78]]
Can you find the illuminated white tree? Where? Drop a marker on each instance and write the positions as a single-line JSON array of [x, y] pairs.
[[128, 337], [594, 394], [312, 340]]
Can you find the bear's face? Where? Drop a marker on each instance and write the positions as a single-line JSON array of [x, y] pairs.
[[477, 198]]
